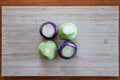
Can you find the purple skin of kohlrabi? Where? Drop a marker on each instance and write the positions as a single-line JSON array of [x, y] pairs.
[[53, 25], [67, 43]]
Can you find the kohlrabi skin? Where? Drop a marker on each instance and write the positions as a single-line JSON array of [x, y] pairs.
[[47, 49], [67, 31], [67, 49], [48, 30]]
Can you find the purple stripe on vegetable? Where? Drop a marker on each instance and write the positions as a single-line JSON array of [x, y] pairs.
[[48, 30], [67, 49]]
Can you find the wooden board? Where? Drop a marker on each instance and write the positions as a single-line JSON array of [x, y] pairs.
[[97, 41]]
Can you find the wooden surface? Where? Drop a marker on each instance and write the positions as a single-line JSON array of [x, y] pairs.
[[60, 2], [97, 41], [55, 3]]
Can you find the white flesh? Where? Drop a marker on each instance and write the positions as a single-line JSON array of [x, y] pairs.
[[48, 30], [67, 51]]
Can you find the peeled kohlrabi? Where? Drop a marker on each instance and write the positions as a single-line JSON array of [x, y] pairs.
[[47, 49], [67, 31]]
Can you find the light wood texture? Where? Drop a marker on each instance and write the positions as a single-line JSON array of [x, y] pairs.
[[97, 41]]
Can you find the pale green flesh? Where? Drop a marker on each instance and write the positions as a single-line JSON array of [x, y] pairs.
[[48, 49], [67, 31], [67, 51], [48, 30]]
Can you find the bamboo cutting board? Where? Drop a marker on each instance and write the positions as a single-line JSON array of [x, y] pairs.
[[97, 41]]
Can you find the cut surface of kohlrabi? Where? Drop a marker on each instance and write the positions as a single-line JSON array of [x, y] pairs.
[[67, 31], [48, 30], [67, 49], [47, 49]]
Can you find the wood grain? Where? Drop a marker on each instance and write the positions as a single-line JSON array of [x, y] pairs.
[[60, 2], [97, 41], [54, 3]]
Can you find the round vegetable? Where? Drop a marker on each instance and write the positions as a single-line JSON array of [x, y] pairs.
[[48, 30], [67, 49], [47, 49], [67, 31]]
